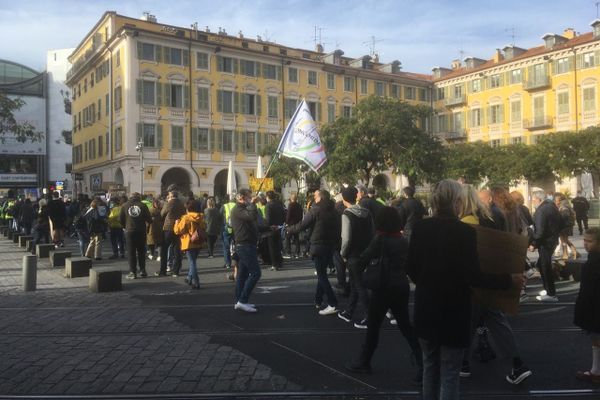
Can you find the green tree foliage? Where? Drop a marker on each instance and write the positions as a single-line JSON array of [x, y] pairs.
[[382, 134], [23, 132]]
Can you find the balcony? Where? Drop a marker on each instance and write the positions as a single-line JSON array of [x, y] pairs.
[[456, 100], [454, 135], [540, 82], [538, 123]]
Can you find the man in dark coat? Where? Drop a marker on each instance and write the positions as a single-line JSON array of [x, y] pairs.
[[274, 216], [292, 217], [171, 212], [133, 216], [322, 221], [581, 207], [367, 202], [411, 210], [546, 223], [57, 213]]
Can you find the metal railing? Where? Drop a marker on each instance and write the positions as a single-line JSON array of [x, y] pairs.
[[536, 83]]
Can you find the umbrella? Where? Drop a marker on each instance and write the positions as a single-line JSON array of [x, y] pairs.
[[231, 183], [259, 168]]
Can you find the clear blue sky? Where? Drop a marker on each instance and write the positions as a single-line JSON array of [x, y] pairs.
[[421, 34]]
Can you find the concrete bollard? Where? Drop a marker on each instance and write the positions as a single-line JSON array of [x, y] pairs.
[[29, 273]]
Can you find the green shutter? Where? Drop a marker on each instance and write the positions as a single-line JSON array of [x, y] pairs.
[[318, 108], [186, 96], [219, 63], [243, 67], [139, 50], [211, 140], [167, 94], [236, 66], [139, 97], [159, 94], [159, 136], [243, 141], [186, 58], [195, 139], [140, 129], [166, 55], [219, 139], [219, 100], [258, 104], [571, 63], [236, 102], [239, 141], [158, 50], [554, 67], [258, 69], [279, 73]]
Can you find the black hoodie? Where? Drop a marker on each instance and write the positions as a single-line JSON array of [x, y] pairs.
[[325, 222]]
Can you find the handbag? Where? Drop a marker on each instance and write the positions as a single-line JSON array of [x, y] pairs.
[[376, 274], [199, 235]]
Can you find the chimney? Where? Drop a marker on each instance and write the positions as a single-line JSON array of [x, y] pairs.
[[440, 72], [240, 35], [455, 64], [498, 56], [148, 17], [376, 58], [319, 48], [596, 26], [569, 33]]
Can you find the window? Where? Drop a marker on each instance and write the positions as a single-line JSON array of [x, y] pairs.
[[118, 138], [148, 92], [85, 85], [364, 86], [250, 145], [516, 140], [290, 106], [423, 95], [331, 81], [409, 93], [118, 58], [312, 78], [314, 110], [588, 60], [106, 104], [176, 96], [441, 93], [200, 139], [227, 141], [269, 71], [589, 99], [516, 76], [86, 151], [248, 68], [495, 81], [100, 147], [273, 106], [476, 117], [293, 75], [99, 109], [562, 65], [563, 102], [148, 52], [203, 100], [176, 137], [248, 103], [348, 84], [202, 60], [175, 56], [395, 90], [458, 122], [515, 111], [225, 101], [225, 64], [457, 91], [379, 89], [476, 85], [495, 116], [92, 79], [538, 110], [330, 112], [346, 111], [495, 143], [149, 135]]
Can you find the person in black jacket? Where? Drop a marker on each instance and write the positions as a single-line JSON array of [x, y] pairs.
[[389, 243], [57, 213], [134, 216], [292, 217], [546, 223], [26, 216], [581, 207], [322, 220], [444, 265], [274, 216], [498, 220], [367, 202], [587, 306], [411, 210]]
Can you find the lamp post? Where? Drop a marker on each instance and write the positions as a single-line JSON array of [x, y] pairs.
[[140, 148]]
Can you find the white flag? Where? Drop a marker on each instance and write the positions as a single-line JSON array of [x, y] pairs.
[[301, 139]]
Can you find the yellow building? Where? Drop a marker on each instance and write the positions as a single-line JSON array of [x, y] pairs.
[[520, 94], [199, 99]]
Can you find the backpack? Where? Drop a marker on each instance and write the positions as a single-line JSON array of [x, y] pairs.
[[199, 235]]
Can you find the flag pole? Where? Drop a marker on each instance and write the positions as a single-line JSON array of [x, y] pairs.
[[273, 159]]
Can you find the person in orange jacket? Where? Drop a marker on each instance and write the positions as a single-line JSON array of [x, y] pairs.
[[191, 230]]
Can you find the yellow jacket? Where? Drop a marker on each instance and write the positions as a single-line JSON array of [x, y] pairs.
[[185, 227]]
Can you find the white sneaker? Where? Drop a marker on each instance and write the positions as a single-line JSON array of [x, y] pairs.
[[158, 258], [547, 299], [244, 307], [150, 257], [389, 315], [543, 293], [393, 321], [329, 310]]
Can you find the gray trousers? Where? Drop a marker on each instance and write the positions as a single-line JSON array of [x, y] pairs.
[[500, 330]]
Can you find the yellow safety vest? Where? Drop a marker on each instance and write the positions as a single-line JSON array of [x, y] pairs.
[[228, 207]]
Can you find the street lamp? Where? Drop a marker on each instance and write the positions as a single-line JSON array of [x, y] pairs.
[[140, 148]]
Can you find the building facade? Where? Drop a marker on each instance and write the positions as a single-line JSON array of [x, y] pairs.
[[196, 100], [23, 164]]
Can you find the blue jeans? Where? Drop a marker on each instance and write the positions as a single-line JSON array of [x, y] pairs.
[[226, 247], [323, 286], [117, 240], [192, 255], [248, 271], [441, 371], [84, 240]]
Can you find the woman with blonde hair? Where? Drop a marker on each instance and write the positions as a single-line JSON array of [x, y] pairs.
[[473, 210]]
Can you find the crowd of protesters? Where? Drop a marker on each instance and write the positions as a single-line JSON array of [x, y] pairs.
[[344, 236]]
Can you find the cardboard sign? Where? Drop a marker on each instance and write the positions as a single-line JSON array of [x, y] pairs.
[[266, 186], [500, 252]]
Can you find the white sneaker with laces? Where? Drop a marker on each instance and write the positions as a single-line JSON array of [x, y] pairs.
[[244, 307], [393, 321], [543, 293], [329, 310], [547, 299]]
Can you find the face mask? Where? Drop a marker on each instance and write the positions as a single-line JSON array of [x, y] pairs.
[[550, 197]]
